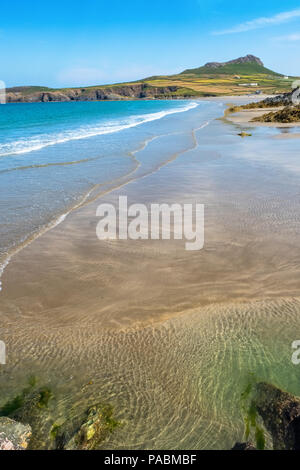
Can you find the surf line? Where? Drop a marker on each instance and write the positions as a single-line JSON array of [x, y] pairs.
[[85, 200], [87, 132]]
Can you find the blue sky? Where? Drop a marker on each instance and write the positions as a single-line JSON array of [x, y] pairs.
[[70, 43]]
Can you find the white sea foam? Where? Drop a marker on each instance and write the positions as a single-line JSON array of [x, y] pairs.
[[44, 140], [97, 131], [31, 237], [2, 267]]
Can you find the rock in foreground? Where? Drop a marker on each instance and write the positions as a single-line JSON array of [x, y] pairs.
[[13, 435], [280, 412], [87, 431]]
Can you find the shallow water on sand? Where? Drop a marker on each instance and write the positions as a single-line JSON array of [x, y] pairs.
[[169, 337], [176, 385], [52, 155]]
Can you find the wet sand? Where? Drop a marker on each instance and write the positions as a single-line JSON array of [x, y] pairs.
[[166, 335], [295, 135]]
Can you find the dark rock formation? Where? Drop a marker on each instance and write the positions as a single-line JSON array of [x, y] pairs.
[[286, 115], [243, 446], [286, 99], [241, 60], [280, 412], [13, 435], [115, 92], [289, 113], [30, 407]]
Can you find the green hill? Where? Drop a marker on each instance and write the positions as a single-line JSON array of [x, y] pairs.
[[250, 68], [236, 77]]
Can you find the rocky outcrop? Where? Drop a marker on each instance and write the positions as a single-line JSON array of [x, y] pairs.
[[241, 60], [286, 99], [30, 407], [14, 435], [280, 412], [86, 431], [27, 416], [286, 115], [115, 92]]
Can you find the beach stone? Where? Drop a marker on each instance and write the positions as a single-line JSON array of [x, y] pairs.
[[280, 412], [14, 435], [30, 407], [85, 432]]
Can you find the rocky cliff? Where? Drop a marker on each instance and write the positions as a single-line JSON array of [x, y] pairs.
[[241, 60], [114, 92]]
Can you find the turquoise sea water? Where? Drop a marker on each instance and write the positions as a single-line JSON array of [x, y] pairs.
[[52, 155], [29, 127]]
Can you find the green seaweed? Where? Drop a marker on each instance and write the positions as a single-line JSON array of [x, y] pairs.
[[245, 394], [12, 405], [244, 134], [45, 395], [54, 430], [32, 381], [250, 414], [18, 401], [260, 438], [110, 422]]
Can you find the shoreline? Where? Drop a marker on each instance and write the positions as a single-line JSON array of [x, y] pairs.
[[166, 336], [236, 119], [62, 218], [83, 198], [183, 98]]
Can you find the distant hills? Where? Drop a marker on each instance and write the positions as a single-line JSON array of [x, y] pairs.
[[236, 77], [248, 59], [248, 65]]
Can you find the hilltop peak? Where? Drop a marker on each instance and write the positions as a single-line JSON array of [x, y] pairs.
[[241, 60]]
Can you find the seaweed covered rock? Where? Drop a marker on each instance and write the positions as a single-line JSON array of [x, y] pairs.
[[286, 115], [31, 399], [86, 431], [30, 407], [280, 412], [14, 435], [244, 134], [285, 99]]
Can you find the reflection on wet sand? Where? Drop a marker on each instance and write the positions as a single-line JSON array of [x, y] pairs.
[[166, 335]]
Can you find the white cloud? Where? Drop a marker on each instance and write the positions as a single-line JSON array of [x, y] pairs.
[[261, 22], [289, 37]]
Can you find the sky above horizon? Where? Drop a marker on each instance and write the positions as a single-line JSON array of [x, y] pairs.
[[74, 43]]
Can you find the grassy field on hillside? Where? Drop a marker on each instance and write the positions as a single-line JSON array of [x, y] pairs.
[[227, 79]]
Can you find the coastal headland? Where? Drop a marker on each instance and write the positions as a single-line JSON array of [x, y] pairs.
[[242, 76]]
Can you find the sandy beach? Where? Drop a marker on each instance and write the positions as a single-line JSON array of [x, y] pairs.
[[167, 336]]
